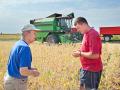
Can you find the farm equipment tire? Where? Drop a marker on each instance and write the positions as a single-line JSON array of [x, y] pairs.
[[107, 38], [54, 39]]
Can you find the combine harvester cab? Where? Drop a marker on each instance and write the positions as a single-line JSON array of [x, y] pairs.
[[56, 29]]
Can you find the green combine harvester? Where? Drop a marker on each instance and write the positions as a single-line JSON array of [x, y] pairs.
[[56, 29]]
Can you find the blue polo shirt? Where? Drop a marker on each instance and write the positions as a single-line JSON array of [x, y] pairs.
[[20, 56]]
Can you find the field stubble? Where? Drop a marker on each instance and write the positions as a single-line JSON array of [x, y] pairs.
[[59, 70]]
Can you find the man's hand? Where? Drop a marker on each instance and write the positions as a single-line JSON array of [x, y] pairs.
[[76, 53], [29, 72], [33, 68], [35, 73]]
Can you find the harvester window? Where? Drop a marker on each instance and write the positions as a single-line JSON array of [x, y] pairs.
[[64, 23]]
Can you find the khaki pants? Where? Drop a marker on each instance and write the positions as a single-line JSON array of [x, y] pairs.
[[11, 83]]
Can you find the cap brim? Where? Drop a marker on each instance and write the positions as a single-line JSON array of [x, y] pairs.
[[36, 30]]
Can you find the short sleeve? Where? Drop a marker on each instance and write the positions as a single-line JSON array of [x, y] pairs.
[[94, 44], [25, 57]]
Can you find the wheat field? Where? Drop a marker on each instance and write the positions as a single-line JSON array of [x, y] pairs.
[[6, 37], [59, 70]]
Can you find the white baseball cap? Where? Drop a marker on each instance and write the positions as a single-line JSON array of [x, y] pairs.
[[29, 27]]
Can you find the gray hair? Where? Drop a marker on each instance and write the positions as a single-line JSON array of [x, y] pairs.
[[23, 34]]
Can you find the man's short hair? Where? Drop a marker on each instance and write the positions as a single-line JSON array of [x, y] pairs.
[[80, 20]]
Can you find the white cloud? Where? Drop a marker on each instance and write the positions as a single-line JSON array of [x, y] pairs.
[[13, 18], [96, 13], [97, 17], [14, 2]]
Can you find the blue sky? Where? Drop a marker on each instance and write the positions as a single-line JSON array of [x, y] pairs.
[[14, 14]]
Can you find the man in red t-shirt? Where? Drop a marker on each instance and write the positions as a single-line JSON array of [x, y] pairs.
[[90, 56]]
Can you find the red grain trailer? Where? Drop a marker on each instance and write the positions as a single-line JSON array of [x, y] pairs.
[[108, 32]]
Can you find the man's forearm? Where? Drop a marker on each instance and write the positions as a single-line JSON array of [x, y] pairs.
[[30, 72], [27, 72], [89, 55]]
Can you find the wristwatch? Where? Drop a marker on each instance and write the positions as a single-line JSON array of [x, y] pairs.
[[80, 53]]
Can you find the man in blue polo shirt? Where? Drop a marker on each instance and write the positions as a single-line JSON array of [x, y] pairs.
[[20, 59]]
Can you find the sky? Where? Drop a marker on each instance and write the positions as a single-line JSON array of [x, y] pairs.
[[14, 14]]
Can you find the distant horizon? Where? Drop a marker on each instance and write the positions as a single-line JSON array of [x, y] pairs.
[[93, 27]]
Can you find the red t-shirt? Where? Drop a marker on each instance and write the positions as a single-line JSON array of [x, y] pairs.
[[91, 43]]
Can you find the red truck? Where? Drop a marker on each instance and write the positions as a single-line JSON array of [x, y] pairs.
[[108, 32]]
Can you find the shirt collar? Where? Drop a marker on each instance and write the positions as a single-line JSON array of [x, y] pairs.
[[89, 31], [24, 41]]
